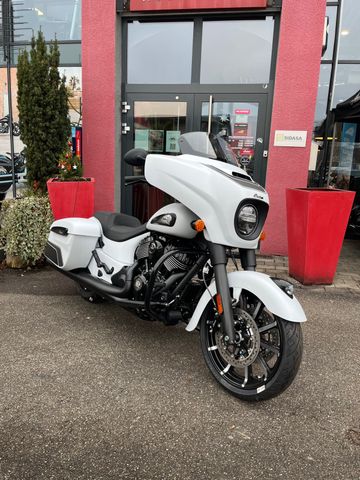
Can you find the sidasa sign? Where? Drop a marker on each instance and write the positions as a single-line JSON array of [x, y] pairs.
[[153, 5], [290, 138]]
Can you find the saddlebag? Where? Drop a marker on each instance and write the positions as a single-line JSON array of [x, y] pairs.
[[71, 242]]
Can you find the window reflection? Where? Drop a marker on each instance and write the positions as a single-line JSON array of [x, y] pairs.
[[331, 13], [73, 82], [160, 52], [55, 18], [344, 169], [70, 54], [323, 91], [237, 51], [350, 33], [238, 121], [74, 85], [347, 82]]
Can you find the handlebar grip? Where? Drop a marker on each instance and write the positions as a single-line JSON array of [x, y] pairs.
[[134, 179]]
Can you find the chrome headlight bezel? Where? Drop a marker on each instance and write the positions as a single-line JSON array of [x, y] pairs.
[[261, 209]]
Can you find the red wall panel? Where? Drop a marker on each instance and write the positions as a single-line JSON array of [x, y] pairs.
[[152, 5], [296, 86], [98, 73]]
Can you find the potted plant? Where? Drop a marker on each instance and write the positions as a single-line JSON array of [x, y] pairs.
[[45, 129], [43, 111], [71, 195]]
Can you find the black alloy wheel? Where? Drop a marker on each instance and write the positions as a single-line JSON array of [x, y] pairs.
[[267, 355]]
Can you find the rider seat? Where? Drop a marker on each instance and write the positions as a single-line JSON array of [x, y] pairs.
[[119, 227]]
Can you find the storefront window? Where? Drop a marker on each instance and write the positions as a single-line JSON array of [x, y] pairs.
[[350, 32], [238, 120], [59, 19], [70, 54], [347, 82], [160, 52], [237, 51], [323, 91], [74, 85], [344, 169], [331, 13]]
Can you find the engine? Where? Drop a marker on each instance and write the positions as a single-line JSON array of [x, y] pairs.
[[168, 272]]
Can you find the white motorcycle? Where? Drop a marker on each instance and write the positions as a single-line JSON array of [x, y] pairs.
[[174, 267]]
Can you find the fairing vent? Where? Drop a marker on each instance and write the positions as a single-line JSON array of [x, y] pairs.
[[53, 254], [241, 175]]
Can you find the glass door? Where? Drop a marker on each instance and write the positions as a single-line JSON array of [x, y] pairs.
[[241, 118], [154, 123]]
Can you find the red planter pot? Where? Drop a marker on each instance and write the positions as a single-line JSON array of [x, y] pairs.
[[316, 223], [71, 199]]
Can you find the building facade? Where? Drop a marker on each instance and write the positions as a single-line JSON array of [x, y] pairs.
[[165, 67], [337, 116], [147, 71], [57, 19]]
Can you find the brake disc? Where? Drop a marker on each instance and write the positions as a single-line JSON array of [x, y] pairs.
[[247, 345]]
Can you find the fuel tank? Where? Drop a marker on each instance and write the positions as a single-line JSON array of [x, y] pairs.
[[174, 219]]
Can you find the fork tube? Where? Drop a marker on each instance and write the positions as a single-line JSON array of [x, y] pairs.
[[219, 261]]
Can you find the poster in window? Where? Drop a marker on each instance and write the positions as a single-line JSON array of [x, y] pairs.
[[172, 141], [142, 138], [156, 141]]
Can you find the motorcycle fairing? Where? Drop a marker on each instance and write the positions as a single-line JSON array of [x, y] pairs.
[[261, 285], [211, 189]]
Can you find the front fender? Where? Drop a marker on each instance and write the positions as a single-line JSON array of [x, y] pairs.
[[261, 285]]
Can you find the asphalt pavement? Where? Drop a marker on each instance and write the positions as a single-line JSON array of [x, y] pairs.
[[91, 392]]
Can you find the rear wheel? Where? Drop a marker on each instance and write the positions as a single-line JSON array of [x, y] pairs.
[[267, 355]]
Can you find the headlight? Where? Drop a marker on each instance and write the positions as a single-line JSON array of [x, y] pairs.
[[250, 218], [247, 220]]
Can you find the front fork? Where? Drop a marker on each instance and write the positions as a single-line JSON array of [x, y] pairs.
[[219, 262]]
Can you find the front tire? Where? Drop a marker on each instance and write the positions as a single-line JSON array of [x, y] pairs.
[[270, 364]]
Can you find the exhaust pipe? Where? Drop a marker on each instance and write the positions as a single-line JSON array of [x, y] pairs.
[[106, 290]]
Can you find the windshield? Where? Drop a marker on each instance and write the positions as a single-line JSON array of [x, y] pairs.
[[207, 145]]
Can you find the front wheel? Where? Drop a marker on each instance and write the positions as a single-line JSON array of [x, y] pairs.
[[267, 354]]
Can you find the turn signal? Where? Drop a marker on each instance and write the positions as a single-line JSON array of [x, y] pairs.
[[219, 304], [262, 235], [198, 225]]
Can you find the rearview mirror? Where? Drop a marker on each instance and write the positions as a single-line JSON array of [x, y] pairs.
[[136, 157]]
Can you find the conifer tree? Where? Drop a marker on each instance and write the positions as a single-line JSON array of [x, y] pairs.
[[43, 111]]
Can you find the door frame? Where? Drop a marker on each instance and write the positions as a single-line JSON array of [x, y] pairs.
[[128, 139]]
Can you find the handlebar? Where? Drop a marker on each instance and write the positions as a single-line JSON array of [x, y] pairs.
[[133, 180]]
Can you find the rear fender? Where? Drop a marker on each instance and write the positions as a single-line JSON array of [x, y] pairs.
[[261, 285]]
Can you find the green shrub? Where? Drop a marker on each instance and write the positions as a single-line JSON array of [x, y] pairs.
[[43, 110], [24, 227]]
